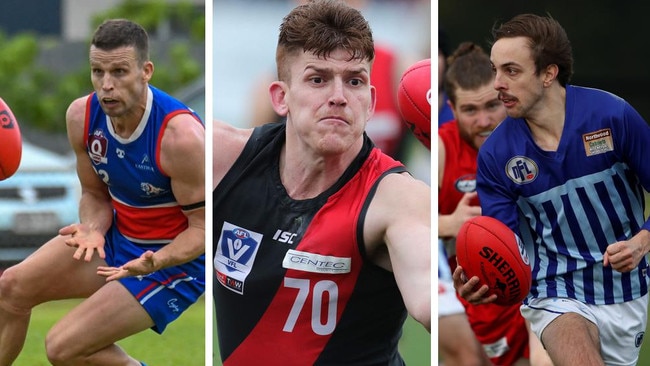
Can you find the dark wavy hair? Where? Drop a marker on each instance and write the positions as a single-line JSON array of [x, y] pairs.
[[547, 40]]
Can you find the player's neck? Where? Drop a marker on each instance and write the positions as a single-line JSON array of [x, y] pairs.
[[546, 123], [304, 176]]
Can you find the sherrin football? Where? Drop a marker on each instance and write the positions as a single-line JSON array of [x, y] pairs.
[[11, 147], [487, 248], [414, 100]]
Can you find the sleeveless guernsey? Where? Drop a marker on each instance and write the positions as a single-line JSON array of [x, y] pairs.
[[292, 284]]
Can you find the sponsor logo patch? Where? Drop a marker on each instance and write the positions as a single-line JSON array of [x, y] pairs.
[[598, 142], [316, 263]]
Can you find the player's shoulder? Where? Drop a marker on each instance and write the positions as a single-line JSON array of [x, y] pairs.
[[183, 131], [227, 135], [77, 108]]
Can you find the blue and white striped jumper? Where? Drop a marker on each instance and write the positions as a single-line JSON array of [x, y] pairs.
[[570, 204]]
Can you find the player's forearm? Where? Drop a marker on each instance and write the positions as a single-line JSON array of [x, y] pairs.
[[187, 246], [96, 211], [447, 227]]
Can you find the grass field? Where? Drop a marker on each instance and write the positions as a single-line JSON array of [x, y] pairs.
[[182, 343], [188, 331], [415, 346]]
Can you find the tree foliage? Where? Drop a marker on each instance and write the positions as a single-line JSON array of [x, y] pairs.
[[39, 96]]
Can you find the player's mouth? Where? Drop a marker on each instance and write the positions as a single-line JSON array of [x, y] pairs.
[[334, 120], [109, 102], [507, 100], [485, 133]]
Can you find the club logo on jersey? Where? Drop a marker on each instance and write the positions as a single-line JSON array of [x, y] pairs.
[[521, 170], [598, 142], [120, 153], [97, 147], [466, 183], [150, 190], [316, 263], [235, 254]]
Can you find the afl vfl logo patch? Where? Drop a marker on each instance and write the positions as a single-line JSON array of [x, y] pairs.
[[521, 170], [235, 254]]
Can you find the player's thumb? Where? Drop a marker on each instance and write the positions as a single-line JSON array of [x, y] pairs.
[[467, 197]]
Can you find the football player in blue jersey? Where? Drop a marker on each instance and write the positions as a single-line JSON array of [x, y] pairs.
[[136, 255], [567, 171]]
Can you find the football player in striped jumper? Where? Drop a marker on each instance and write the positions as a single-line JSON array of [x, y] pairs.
[[567, 171]]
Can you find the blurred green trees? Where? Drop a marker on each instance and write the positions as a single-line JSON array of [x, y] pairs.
[[39, 96]]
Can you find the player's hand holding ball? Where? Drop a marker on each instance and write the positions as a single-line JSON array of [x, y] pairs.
[[490, 254]]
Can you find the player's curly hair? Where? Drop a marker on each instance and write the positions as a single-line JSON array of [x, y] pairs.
[[321, 27], [469, 68]]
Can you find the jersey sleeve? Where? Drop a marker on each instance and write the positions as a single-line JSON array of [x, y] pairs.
[[635, 140], [497, 199]]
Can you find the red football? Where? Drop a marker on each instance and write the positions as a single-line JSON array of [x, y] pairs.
[[11, 148], [487, 248], [414, 100]]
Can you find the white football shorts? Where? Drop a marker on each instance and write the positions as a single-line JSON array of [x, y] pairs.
[[621, 326]]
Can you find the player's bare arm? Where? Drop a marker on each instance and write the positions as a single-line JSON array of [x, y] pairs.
[[400, 217], [227, 144], [95, 210]]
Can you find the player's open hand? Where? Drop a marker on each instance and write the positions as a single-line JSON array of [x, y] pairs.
[[467, 288], [143, 265], [85, 239]]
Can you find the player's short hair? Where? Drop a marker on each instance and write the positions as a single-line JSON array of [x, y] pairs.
[[116, 33], [548, 42], [469, 68], [321, 27]]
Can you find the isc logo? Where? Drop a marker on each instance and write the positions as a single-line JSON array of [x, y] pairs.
[[284, 236]]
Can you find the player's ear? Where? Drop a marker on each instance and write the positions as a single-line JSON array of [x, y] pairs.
[[147, 71], [373, 101], [279, 97], [550, 74]]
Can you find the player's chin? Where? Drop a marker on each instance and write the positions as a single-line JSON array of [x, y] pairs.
[[333, 144]]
